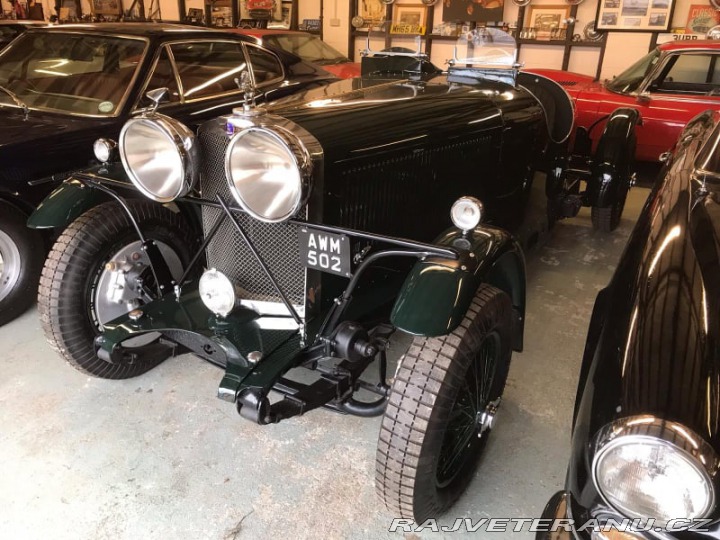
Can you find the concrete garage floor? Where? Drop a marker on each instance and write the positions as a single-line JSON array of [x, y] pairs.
[[160, 457]]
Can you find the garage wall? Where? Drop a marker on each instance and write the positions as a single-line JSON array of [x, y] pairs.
[[622, 48]]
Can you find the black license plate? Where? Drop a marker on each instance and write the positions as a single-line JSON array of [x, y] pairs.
[[325, 251]]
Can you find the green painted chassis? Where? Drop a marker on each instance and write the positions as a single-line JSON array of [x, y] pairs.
[[432, 301]]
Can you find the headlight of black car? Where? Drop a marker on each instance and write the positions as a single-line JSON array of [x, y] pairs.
[[160, 156], [645, 467], [269, 172]]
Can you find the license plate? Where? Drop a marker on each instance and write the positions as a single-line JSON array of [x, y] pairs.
[[325, 251]]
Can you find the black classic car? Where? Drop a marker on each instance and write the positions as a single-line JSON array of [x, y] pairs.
[[645, 430], [326, 222], [63, 87]]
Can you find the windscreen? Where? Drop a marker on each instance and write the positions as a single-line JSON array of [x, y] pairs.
[[72, 73], [308, 47]]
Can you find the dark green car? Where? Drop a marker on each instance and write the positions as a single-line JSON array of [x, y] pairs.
[[325, 224]]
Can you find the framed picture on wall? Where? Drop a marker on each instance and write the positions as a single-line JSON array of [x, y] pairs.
[[634, 15], [701, 18], [106, 7], [369, 14], [547, 20], [473, 10], [409, 19]]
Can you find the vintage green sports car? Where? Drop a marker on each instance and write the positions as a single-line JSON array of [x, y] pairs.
[[325, 224]]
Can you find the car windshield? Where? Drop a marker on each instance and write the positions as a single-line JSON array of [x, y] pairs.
[[309, 48], [630, 79], [68, 72]]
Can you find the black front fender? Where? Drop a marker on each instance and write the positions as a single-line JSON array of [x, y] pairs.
[[611, 165]]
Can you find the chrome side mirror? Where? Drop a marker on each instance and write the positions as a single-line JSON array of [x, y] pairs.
[[644, 97], [156, 96]]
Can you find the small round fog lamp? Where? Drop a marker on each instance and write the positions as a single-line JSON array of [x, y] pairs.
[[104, 150], [217, 292], [466, 213]]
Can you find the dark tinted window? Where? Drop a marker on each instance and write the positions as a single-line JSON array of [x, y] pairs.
[[689, 74], [266, 66], [208, 68]]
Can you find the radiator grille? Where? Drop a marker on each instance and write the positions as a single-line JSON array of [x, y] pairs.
[[228, 252]]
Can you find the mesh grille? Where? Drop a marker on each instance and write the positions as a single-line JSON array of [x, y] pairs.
[[228, 252]]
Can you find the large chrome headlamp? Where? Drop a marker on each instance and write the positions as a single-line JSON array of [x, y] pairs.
[[268, 171], [645, 467], [160, 156]]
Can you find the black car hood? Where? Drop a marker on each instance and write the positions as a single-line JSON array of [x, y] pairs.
[[384, 112], [17, 131]]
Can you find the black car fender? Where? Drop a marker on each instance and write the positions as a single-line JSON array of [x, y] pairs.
[[614, 156], [437, 292]]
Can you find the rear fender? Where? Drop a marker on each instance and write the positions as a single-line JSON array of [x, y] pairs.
[[613, 159], [437, 292]]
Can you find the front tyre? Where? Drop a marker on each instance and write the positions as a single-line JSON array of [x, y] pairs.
[[97, 271], [441, 408], [21, 258]]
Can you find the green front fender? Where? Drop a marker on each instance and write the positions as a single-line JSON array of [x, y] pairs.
[[73, 197], [437, 292]]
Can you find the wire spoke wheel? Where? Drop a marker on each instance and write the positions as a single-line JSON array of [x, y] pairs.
[[465, 425], [441, 408]]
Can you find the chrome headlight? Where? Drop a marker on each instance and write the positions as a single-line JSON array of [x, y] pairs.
[[217, 292], [105, 150], [645, 467], [466, 213], [160, 156], [268, 172]]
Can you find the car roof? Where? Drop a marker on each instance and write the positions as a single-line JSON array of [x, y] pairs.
[[137, 29], [690, 44], [21, 22], [269, 32]]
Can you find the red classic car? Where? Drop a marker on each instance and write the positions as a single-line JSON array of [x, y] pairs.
[[669, 86], [308, 47]]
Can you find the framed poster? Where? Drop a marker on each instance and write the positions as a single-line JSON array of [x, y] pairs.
[[634, 15], [409, 19], [701, 18], [265, 10], [547, 20], [473, 10], [370, 13], [106, 7]]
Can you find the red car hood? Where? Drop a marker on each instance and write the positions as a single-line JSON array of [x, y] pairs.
[[346, 70], [573, 83], [585, 91]]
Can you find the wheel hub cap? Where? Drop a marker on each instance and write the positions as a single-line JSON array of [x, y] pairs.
[[9, 264], [486, 418]]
